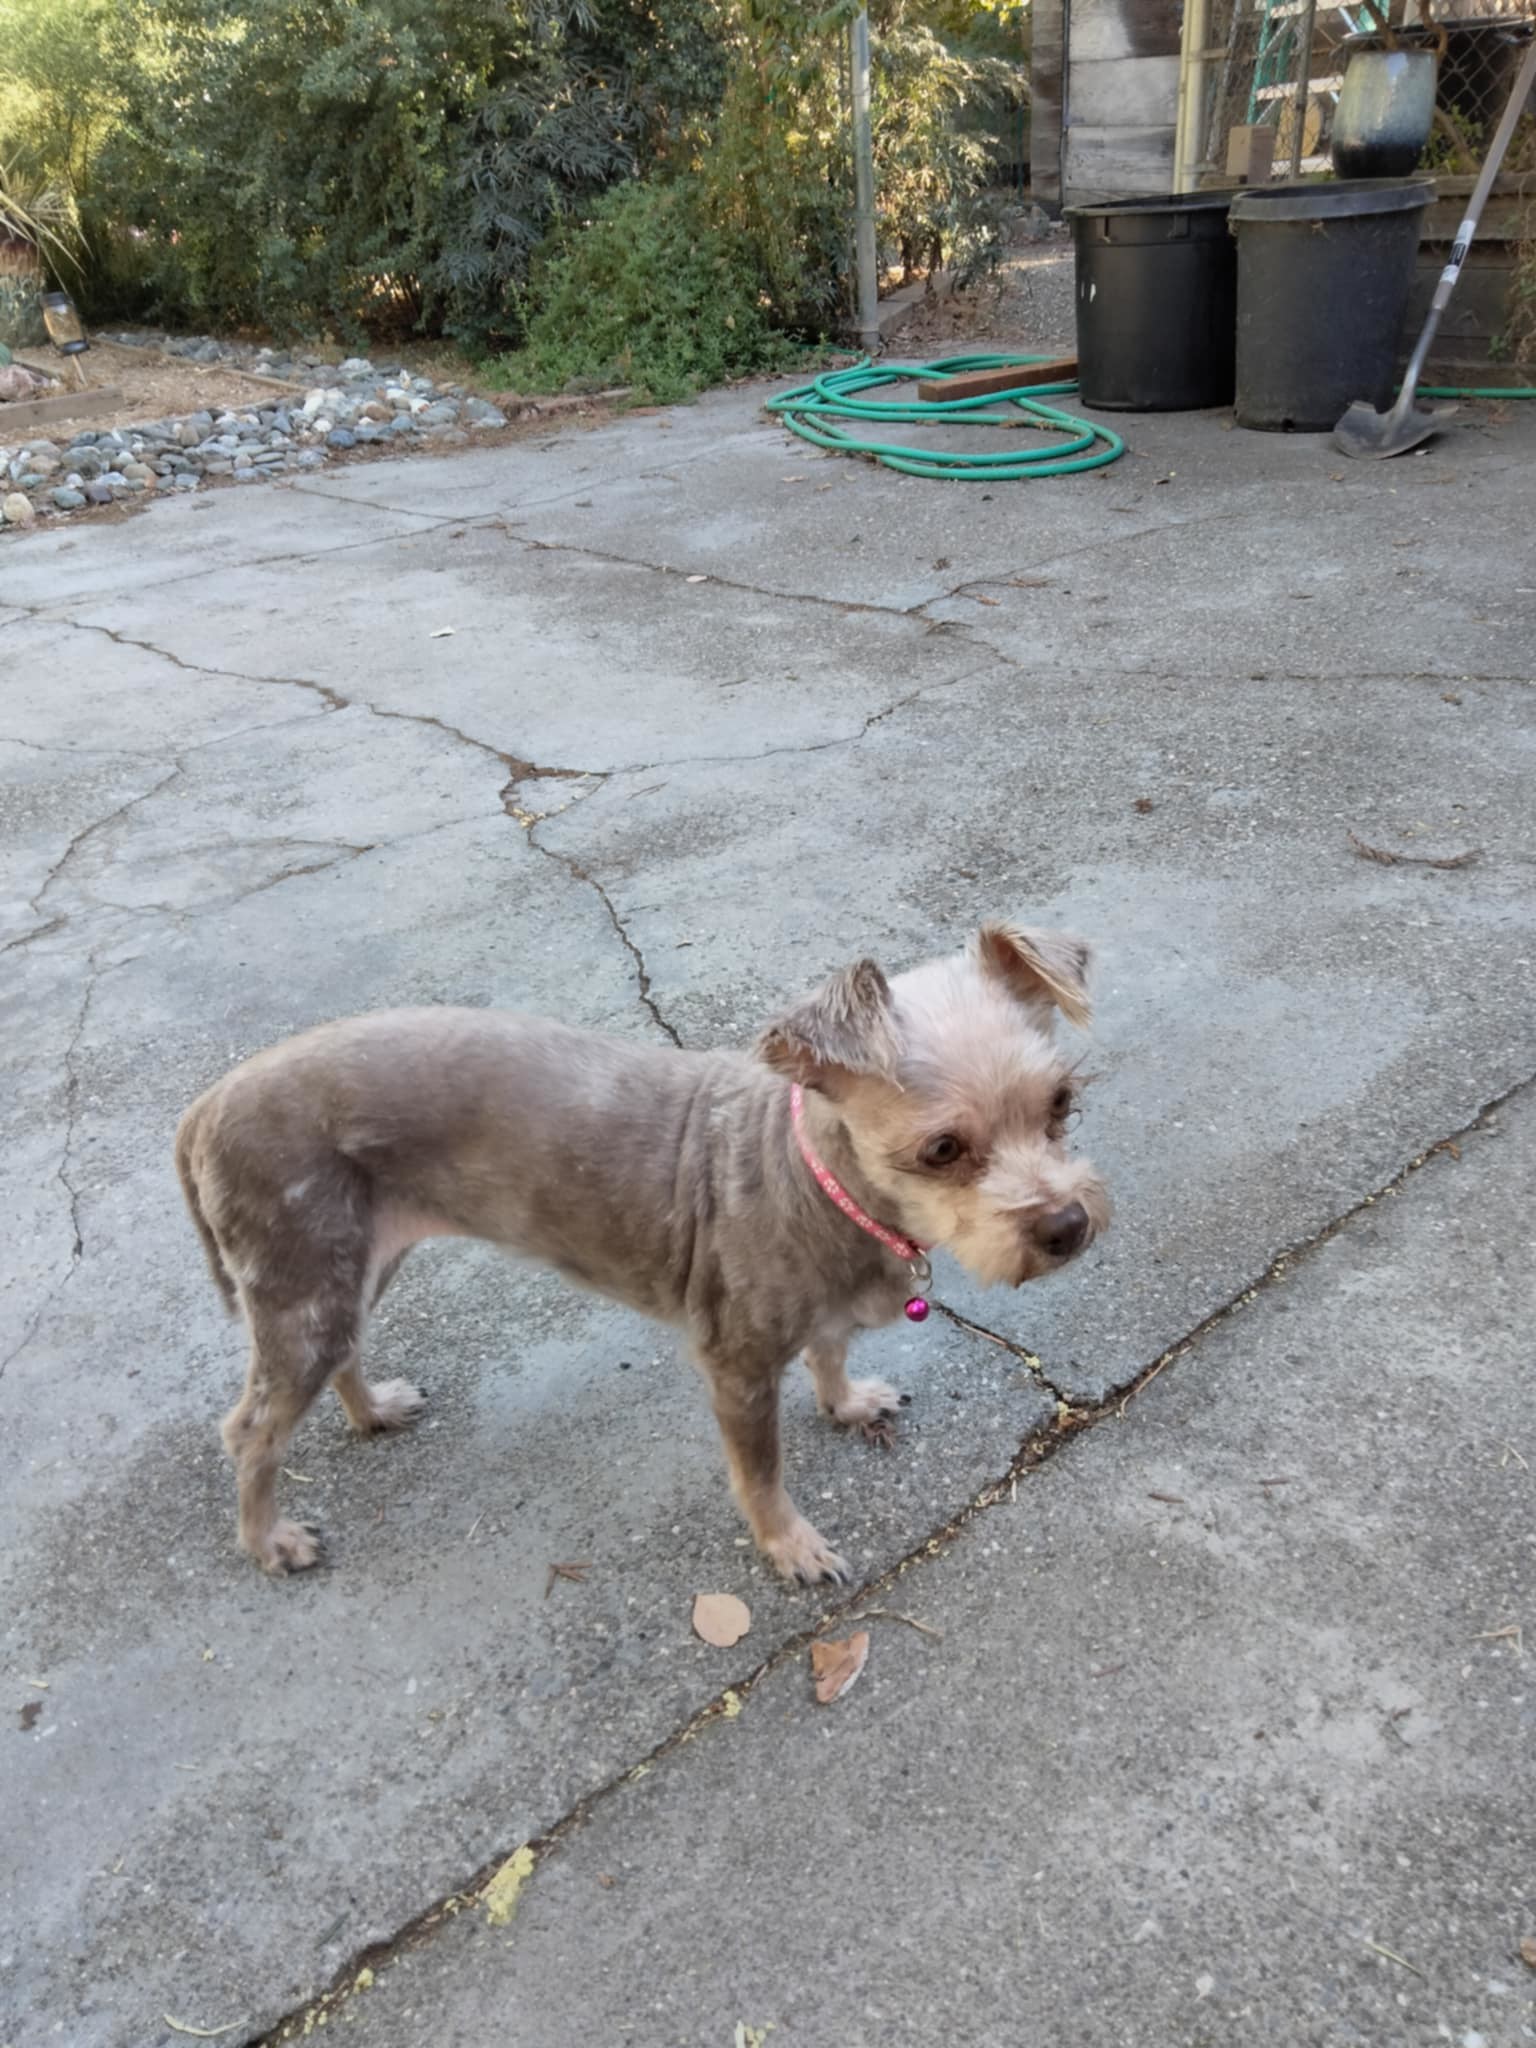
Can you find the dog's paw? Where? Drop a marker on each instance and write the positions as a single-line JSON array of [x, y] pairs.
[[392, 1406], [291, 1547], [866, 1401], [802, 1555]]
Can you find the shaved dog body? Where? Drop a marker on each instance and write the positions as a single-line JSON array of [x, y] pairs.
[[671, 1181]]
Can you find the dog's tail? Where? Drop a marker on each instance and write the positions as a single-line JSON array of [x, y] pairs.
[[216, 1266]]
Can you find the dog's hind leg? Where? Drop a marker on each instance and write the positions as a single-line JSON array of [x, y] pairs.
[[857, 1404], [376, 1410], [393, 1404], [296, 1346]]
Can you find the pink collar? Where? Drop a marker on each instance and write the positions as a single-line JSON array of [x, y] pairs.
[[906, 1248]]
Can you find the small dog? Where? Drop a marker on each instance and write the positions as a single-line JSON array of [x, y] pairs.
[[769, 1204]]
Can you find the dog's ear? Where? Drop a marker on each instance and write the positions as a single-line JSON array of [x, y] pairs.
[[1039, 967], [844, 1027]]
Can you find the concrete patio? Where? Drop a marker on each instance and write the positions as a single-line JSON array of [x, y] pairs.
[[1227, 1734]]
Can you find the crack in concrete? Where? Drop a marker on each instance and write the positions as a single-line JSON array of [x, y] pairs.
[[220, 739], [72, 1113], [500, 515], [518, 769], [343, 852], [531, 821], [332, 699], [1036, 1449], [8, 739], [55, 874], [72, 1193], [577, 872], [182, 914], [841, 739], [42, 931], [847, 605], [427, 526], [975, 631], [1030, 1360]]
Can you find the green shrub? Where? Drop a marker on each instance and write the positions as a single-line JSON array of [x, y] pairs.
[[361, 166], [779, 172], [648, 293], [353, 164]]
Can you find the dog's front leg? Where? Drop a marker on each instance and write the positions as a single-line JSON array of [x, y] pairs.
[[746, 1404]]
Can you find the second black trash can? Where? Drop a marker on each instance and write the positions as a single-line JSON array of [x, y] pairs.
[[1156, 302], [1324, 274]]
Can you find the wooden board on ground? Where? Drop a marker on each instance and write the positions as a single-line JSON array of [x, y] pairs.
[[985, 383], [68, 405]]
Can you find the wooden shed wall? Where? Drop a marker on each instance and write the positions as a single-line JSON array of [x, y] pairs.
[[1105, 77]]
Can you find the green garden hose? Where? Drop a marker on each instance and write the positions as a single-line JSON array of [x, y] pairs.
[[1477, 391], [816, 410]]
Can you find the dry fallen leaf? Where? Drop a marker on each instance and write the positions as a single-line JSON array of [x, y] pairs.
[[576, 1573], [1385, 857], [1142, 804], [837, 1664], [720, 1619], [1528, 1951], [30, 1712], [501, 1895]]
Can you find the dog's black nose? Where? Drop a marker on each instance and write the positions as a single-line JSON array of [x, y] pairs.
[[1061, 1232]]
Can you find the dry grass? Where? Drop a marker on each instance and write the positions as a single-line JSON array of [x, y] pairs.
[[153, 387]]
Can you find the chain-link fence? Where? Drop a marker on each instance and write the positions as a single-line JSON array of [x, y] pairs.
[[1271, 73], [1479, 56]]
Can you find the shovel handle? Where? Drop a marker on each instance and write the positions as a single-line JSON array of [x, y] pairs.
[[1514, 107]]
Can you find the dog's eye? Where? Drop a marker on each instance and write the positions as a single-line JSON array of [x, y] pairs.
[[943, 1150], [1061, 1103]]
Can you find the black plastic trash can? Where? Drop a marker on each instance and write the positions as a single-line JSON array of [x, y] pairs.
[[1324, 275], [1156, 302]]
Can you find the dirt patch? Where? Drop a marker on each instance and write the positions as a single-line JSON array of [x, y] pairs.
[[1025, 304], [151, 387]]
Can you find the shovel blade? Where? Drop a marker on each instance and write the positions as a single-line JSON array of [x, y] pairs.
[[1368, 435]]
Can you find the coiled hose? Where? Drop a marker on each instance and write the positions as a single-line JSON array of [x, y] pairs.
[[820, 410]]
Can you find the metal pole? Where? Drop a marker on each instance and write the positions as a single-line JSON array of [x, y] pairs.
[[1189, 137], [1303, 86], [863, 184]]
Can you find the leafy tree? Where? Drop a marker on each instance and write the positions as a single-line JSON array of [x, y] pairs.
[[366, 165]]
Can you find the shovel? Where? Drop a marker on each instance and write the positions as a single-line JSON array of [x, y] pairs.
[[1363, 431]]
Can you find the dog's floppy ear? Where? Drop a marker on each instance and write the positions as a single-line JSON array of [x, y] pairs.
[[1040, 967], [845, 1026]]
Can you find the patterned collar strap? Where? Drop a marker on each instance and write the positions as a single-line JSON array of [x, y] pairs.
[[905, 1248]]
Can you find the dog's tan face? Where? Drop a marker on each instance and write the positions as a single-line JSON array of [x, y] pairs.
[[956, 1100]]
